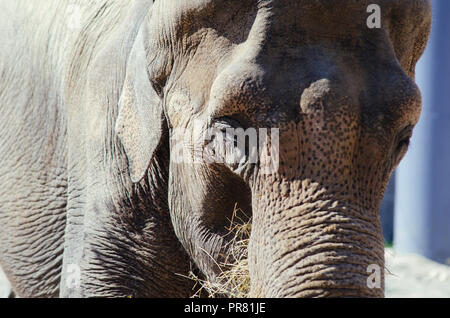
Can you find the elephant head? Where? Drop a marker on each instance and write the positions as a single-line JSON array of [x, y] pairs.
[[327, 104]]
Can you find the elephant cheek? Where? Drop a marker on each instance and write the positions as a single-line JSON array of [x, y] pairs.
[[315, 249]]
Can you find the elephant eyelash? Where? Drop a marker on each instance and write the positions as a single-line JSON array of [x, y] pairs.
[[403, 142], [227, 122], [226, 135]]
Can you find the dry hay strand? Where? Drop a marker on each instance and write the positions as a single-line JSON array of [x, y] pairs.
[[234, 280]]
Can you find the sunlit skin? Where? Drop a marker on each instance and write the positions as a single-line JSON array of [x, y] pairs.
[[88, 133]]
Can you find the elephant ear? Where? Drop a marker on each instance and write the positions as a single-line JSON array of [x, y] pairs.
[[140, 120]]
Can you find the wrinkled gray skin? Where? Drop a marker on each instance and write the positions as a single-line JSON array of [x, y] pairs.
[[86, 131]]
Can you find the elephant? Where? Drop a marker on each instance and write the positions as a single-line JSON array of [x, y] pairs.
[[97, 96]]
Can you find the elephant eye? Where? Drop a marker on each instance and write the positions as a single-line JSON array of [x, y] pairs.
[[227, 122], [227, 141], [228, 127], [403, 141], [225, 127]]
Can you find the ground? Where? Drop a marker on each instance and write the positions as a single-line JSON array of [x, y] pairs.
[[406, 276], [4, 286], [413, 276]]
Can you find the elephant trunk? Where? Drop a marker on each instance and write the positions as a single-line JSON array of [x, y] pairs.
[[307, 243]]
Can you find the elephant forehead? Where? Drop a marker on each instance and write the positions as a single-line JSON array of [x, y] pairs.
[[318, 14], [276, 58], [284, 28]]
